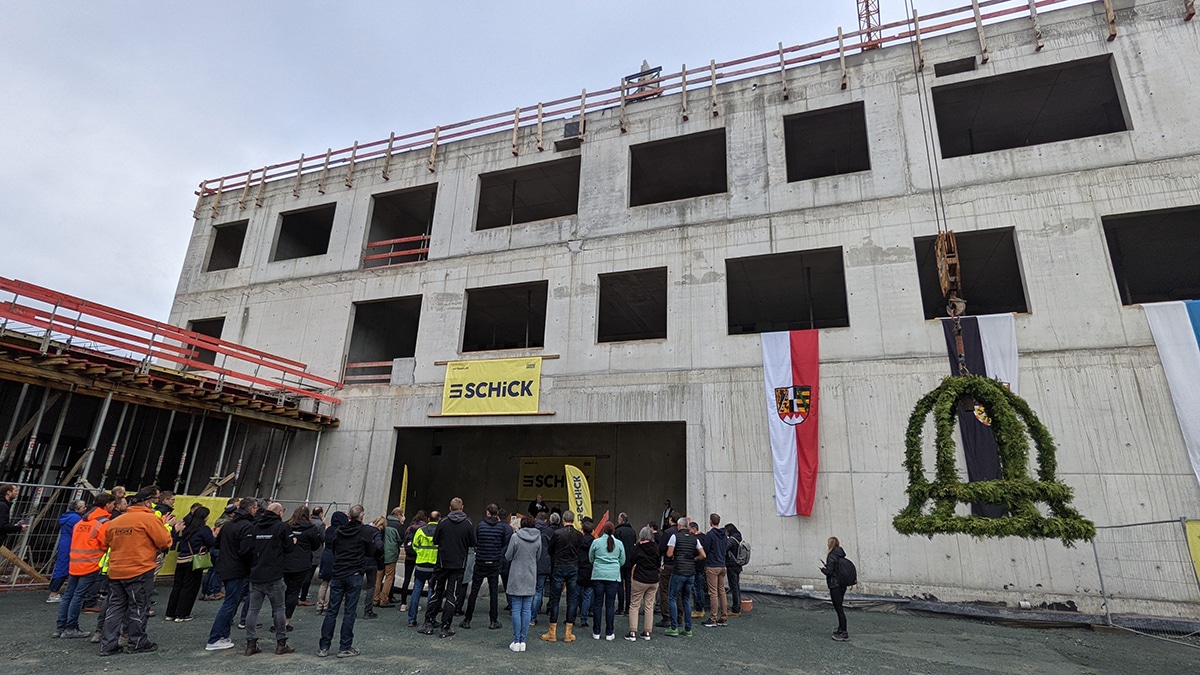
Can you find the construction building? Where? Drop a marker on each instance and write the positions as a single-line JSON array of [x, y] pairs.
[[636, 241]]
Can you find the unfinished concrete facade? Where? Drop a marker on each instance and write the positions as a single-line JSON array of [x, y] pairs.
[[684, 208]]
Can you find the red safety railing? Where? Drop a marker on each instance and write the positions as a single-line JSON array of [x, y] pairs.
[[629, 90], [63, 321], [399, 251]]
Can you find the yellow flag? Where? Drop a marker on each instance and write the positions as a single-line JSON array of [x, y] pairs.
[[578, 494], [404, 489], [1193, 539]]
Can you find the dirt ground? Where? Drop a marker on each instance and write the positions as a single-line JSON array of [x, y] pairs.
[[773, 638]]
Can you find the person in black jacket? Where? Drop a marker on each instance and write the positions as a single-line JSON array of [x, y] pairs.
[[564, 560], [268, 544], [454, 536], [541, 522], [733, 570], [297, 567], [491, 537], [8, 494], [191, 540], [626, 535], [584, 582], [233, 570], [645, 584], [837, 592], [350, 545]]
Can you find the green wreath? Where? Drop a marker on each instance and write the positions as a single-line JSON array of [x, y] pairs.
[[1015, 490]]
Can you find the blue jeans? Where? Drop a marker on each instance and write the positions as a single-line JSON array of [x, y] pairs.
[[347, 589], [419, 579], [212, 582], [567, 575], [585, 601], [223, 624], [681, 586], [700, 591], [606, 599], [78, 588], [537, 595], [522, 613]]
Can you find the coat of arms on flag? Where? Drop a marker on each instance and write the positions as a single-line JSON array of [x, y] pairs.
[[793, 403]]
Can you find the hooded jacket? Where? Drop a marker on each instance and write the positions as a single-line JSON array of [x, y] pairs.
[[543, 566], [716, 543], [427, 551], [86, 546], [454, 536], [231, 564], [353, 544], [524, 550], [491, 541], [831, 565], [338, 519], [267, 544], [308, 540], [134, 542], [66, 527], [393, 540]]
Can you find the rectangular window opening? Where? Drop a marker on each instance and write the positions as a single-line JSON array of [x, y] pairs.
[[506, 317], [400, 226], [954, 67], [1155, 254], [227, 243], [1053, 103], [786, 291], [826, 142], [633, 305], [990, 270], [384, 330], [538, 192], [304, 233], [678, 168], [210, 328]]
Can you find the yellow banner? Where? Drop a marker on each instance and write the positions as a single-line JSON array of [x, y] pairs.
[[183, 506], [1193, 538], [579, 495], [492, 387], [545, 476]]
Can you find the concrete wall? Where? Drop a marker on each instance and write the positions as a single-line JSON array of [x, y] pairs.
[[1088, 365]]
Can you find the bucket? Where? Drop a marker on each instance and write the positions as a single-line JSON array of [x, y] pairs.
[[747, 605]]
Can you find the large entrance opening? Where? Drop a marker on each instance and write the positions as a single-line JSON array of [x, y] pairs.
[[634, 467]]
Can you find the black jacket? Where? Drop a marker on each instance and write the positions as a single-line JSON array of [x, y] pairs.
[[662, 544], [352, 544], [308, 540], [491, 540], [455, 534], [731, 552], [585, 562], [564, 547], [831, 566], [7, 527], [645, 562], [624, 532], [231, 564], [267, 543], [544, 560]]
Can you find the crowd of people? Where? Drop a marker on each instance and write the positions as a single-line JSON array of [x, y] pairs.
[[115, 549]]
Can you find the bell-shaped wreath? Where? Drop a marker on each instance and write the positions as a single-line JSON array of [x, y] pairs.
[[1016, 491]]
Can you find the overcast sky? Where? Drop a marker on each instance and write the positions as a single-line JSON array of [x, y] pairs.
[[111, 113]]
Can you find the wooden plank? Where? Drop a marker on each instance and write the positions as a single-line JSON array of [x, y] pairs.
[[24, 566]]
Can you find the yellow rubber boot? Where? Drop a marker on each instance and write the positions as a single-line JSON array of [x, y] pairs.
[[569, 637], [551, 634]]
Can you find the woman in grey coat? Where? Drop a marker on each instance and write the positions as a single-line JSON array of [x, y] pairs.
[[523, 552]]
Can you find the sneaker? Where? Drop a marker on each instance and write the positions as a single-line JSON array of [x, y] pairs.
[[533, 623], [671, 632], [54, 598], [74, 633], [514, 647], [427, 629], [687, 633], [582, 623], [412, 624], [495, 625], [522, 646], [646, 635], [322, 653], [347, 653], [144, 649], [595, 636], [465, 623], [403, 607], [241, 624], [57, 633], [710, 624], [169, 618], [446, 632], [109, 652], [610, 637], [221, 643], [841, 637], [631, 636], [95, 639], [723, 623], [184, 618]]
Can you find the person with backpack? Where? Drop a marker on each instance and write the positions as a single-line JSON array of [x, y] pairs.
[[410, 556], [393, 542], [839, 575], [736, 558]]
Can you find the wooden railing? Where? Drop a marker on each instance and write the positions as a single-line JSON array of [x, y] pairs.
[[340, 164]]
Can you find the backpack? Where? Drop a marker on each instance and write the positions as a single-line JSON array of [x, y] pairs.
[[409, 551], [847, 574], [742, 556]]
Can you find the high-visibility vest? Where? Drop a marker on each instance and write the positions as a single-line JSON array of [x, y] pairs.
[[427, 551], [86, 548]]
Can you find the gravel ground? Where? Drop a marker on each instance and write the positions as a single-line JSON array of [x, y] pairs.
[[774, 638]]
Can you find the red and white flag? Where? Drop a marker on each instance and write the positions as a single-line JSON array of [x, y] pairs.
[[791, 369]]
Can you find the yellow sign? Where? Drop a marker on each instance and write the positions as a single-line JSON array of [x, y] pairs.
[[579, 495], [1193, 539], [492, 387], [183, 506], [546, 476]]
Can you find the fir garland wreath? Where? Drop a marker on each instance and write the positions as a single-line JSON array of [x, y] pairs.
[[1017, 491]]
